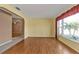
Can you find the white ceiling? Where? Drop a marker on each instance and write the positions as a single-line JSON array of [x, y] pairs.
[[43, 10]]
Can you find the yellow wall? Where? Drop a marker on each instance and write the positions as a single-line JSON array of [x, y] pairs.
[[12, 9], [41, 27], [34, 27], [53, 27]]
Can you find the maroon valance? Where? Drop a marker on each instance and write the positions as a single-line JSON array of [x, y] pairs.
[[70, 12]]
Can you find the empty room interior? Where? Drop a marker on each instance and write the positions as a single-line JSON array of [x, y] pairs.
[[39, 28]]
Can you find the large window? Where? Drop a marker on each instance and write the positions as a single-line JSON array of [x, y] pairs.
[[69, 27]]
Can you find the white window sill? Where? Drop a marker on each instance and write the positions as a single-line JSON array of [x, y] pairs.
[[77, 41]]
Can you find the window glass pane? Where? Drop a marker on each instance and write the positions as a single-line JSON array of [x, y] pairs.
[[69, 27]]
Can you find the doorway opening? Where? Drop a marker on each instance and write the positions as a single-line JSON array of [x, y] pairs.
[[17, 27]]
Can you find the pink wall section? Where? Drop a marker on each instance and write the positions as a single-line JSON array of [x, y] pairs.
[[5, 26]]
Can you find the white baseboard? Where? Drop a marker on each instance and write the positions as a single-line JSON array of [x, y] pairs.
[[3, 43], [41, 36], [10, 44]]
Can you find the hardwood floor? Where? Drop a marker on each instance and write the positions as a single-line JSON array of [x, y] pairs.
[[40, 46]]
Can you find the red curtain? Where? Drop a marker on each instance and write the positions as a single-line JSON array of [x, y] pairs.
[[70, 12]]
